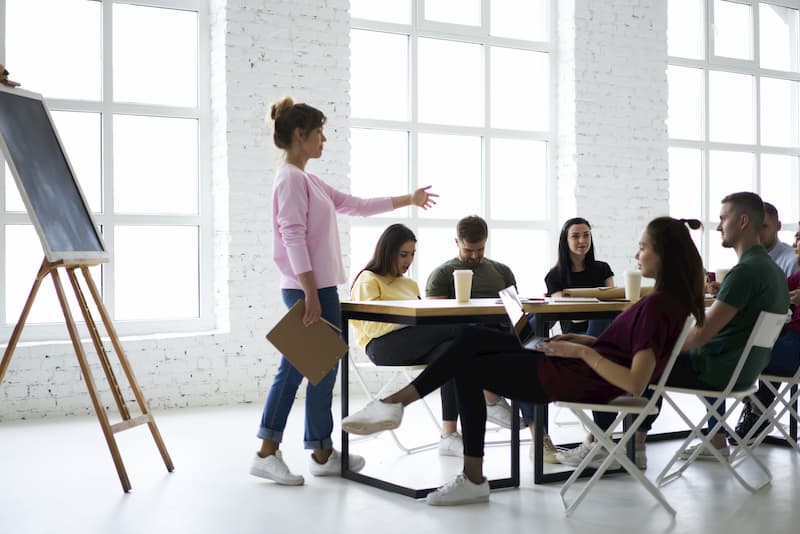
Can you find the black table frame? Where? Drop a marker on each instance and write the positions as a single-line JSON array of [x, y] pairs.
[[479, 318]]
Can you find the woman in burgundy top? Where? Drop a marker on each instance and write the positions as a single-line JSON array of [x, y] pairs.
[[573, 367]]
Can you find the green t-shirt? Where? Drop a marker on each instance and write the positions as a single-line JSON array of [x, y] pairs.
[[755, 284], [488, 277]]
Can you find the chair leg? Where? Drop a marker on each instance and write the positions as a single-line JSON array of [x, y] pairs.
[[616, 451]]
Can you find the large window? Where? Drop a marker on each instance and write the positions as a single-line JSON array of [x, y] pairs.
[[734, 110], [457, 94], [121, 81]]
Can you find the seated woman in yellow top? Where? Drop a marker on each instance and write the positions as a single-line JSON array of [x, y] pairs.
[[393, 344]]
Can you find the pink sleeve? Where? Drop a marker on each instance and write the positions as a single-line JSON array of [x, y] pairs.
[[350, 205], [291, 215]]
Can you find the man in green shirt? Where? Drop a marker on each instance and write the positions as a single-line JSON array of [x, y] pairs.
[[753, 285], [488, 278]]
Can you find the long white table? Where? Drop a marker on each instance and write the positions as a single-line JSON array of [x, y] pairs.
[[476, 311]]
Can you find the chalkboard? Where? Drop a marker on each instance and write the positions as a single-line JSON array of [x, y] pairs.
[[45, 179]]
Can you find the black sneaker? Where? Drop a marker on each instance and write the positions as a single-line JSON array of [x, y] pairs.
[[746, 422]]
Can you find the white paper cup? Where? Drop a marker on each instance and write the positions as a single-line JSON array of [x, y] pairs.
[[721, 274], [633, 285], [462, 278]]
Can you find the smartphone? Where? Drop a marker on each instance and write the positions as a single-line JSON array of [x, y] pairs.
[[711, 276]]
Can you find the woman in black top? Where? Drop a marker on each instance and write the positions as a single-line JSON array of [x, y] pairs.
[[577, 267]]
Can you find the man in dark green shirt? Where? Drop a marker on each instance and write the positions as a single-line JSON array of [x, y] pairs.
[[753, 285]]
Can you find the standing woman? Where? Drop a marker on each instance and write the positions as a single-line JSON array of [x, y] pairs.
[[308, 255], [577, 267]]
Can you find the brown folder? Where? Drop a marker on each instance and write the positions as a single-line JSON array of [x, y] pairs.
[[313, 350]]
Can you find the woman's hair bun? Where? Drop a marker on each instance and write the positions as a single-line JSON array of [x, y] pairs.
[[694, 224], [280, 106]]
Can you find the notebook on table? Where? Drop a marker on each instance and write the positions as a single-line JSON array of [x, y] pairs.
[[313, 350], [519, 320]]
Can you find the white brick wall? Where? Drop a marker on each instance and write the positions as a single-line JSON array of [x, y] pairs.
[[612, 165], [260, 52], [612, 113]]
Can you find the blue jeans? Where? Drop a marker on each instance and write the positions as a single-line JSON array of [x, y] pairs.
[[784, 362], [319, 420]]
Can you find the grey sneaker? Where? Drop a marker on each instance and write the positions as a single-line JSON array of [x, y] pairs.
[[704, 454], [451, 445], [374, 417], [640, 456], [460, 490], [333, 467], [274, 468], [575, 456]]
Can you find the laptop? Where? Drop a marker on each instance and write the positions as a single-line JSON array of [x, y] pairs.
[[519, 320]]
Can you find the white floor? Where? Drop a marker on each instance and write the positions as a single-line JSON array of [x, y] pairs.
[[57, 476]]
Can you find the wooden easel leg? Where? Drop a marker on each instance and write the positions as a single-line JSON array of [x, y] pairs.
[[126, 367], [87, 375], [98, 346], [12, 342]]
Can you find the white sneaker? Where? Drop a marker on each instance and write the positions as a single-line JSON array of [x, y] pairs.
[[549, 450], [451, 445], [333, 467], [499, 413], [374, 417], [274, 468], [460, 490], [575, 456], [705, 454]]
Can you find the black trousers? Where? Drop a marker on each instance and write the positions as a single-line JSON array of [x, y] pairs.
[[483, 358], [416, 345]]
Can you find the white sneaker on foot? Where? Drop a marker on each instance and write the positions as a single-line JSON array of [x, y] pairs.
[[549, 450], [575, 456], [333, 467], [451, 445], [704, 454], [374, 417], [499, 413], [274, 468], [460, 490]]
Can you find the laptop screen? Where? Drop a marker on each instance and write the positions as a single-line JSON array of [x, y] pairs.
[[515, 311]]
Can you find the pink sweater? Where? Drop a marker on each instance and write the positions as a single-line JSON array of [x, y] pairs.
[[305, 234]]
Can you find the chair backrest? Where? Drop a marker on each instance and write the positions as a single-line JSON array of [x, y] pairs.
[[676, 349], [765, 332]]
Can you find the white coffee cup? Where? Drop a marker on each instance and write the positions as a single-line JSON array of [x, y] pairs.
[[633, 285], [720, 274], [462, 278]]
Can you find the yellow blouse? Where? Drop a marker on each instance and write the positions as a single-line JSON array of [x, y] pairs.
[[370, 286]]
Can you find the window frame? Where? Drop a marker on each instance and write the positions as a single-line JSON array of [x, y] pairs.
[[420, 28], [710, 62], [107, 219]]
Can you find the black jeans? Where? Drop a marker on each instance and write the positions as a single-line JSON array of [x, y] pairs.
[[483, 358], [416, 345]]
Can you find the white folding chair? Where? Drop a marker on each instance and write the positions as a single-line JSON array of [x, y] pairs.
[[623, 406], [406, 372], [764, 334], [785, 399]]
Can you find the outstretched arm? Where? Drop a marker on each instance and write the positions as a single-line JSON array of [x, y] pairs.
[[421, 198]]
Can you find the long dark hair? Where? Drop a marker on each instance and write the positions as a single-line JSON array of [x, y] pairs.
[[384, 259], [563, 265], [682, 273]]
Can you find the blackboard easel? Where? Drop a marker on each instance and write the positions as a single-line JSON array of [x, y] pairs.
[[51, 269], [71, 242]]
